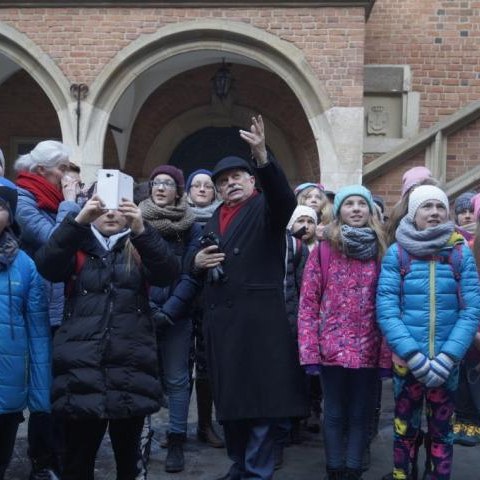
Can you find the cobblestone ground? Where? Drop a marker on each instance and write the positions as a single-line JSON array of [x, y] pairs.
[[302, 462]]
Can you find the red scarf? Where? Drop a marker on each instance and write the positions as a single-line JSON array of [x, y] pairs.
[[47, 195], [227, 214]]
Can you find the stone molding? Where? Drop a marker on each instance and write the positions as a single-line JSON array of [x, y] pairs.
[[187, 3]]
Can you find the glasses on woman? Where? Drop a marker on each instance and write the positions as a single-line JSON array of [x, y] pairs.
[[199, 186], [166, 184]]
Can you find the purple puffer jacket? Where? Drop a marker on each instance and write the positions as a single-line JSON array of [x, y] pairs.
[[340, 328]]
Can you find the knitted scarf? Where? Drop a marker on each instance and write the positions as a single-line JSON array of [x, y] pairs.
[[47, 195], [203, 214], [8, 249], [171, 220], [422, 243], [359, 242]]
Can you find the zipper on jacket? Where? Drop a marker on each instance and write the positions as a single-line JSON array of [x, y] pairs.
[[433, 311]]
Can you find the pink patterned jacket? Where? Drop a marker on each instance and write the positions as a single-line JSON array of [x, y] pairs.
[[339, 328]]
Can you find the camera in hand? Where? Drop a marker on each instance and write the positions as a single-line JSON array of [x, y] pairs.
[[215, 274]]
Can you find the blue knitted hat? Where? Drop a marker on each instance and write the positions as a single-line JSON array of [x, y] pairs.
[[463, 202], [192, 176], [8, 197], [350, 190]]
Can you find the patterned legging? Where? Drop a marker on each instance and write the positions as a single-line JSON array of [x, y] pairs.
[[409, 394]]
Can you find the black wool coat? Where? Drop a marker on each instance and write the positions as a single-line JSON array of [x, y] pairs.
[[105, 352], [251, 353]]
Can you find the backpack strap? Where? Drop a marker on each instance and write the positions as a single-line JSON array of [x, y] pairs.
[[297, 252], [455, 259], [80, 259], [404, 259], [324, 259]]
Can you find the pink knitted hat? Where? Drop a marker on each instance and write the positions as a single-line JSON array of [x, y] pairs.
[[476, 205], [413, 177]]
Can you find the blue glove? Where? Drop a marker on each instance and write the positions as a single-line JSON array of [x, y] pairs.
[[440, 369], [313, 369], [419, 365]]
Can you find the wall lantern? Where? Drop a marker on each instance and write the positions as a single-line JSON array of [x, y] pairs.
[[222, 81]]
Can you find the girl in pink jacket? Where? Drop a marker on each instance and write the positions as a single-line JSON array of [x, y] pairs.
[[337, 332]]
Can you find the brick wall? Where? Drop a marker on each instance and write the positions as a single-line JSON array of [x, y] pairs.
[[82, 41], [440, 40]]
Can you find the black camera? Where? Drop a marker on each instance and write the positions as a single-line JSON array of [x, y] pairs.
[[209, 239], [215, 274]]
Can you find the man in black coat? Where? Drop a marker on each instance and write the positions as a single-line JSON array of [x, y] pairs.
[[251, 354]]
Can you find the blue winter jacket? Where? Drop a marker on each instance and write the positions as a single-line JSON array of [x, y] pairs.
[[36, 227], [25, 345], [435, 313]]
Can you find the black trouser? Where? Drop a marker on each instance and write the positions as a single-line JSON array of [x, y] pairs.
[[83, 438], [8, 432]]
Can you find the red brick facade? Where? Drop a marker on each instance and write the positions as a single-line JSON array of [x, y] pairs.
[[439, 40]]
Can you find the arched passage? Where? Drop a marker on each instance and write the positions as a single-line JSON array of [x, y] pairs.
[[187, 45], [24, 52]]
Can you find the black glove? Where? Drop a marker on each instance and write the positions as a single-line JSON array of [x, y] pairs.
[[162, 320]]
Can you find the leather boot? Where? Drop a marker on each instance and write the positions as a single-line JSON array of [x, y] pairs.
[[205, 430], [175, 461]]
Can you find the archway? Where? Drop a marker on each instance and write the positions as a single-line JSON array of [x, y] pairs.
[[186, 45], [26, 54]]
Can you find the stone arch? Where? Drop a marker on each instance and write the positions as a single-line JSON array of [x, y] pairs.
[[195, 40], [23, 51], [181, 127]]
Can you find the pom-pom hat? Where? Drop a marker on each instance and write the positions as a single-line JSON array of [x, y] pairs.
[[421, 195], [413, 177]]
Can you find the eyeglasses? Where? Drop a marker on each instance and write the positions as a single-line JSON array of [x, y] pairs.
[[167, 184], [206, 186]]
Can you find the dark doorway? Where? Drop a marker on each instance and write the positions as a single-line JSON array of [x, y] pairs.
[[203, 149]]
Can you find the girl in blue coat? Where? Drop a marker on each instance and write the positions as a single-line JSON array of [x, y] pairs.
[[428, 307], [25, 347]]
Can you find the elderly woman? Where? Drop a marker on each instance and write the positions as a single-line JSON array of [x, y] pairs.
[[202, 198], [45, 196]]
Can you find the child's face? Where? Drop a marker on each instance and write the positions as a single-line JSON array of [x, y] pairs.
[[315, 199], [4, 218], [355, 211], [309, 225], [465, 217]]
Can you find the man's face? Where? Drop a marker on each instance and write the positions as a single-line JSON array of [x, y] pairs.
[[235, 186]]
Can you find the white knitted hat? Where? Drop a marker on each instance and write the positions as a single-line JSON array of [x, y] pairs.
[[421, 195], [302, 211]]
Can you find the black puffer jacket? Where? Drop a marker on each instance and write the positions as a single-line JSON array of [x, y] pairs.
[[104, 358]]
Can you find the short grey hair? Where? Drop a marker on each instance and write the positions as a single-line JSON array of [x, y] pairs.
[[48, 153]]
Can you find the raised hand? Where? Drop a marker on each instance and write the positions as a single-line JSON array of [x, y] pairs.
[[255, 137]]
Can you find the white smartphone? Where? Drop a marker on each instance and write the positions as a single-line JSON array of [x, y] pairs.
[[113, 186]]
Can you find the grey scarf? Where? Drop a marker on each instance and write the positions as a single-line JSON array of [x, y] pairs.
[[203, 214], [359, 243], [421, 243]]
